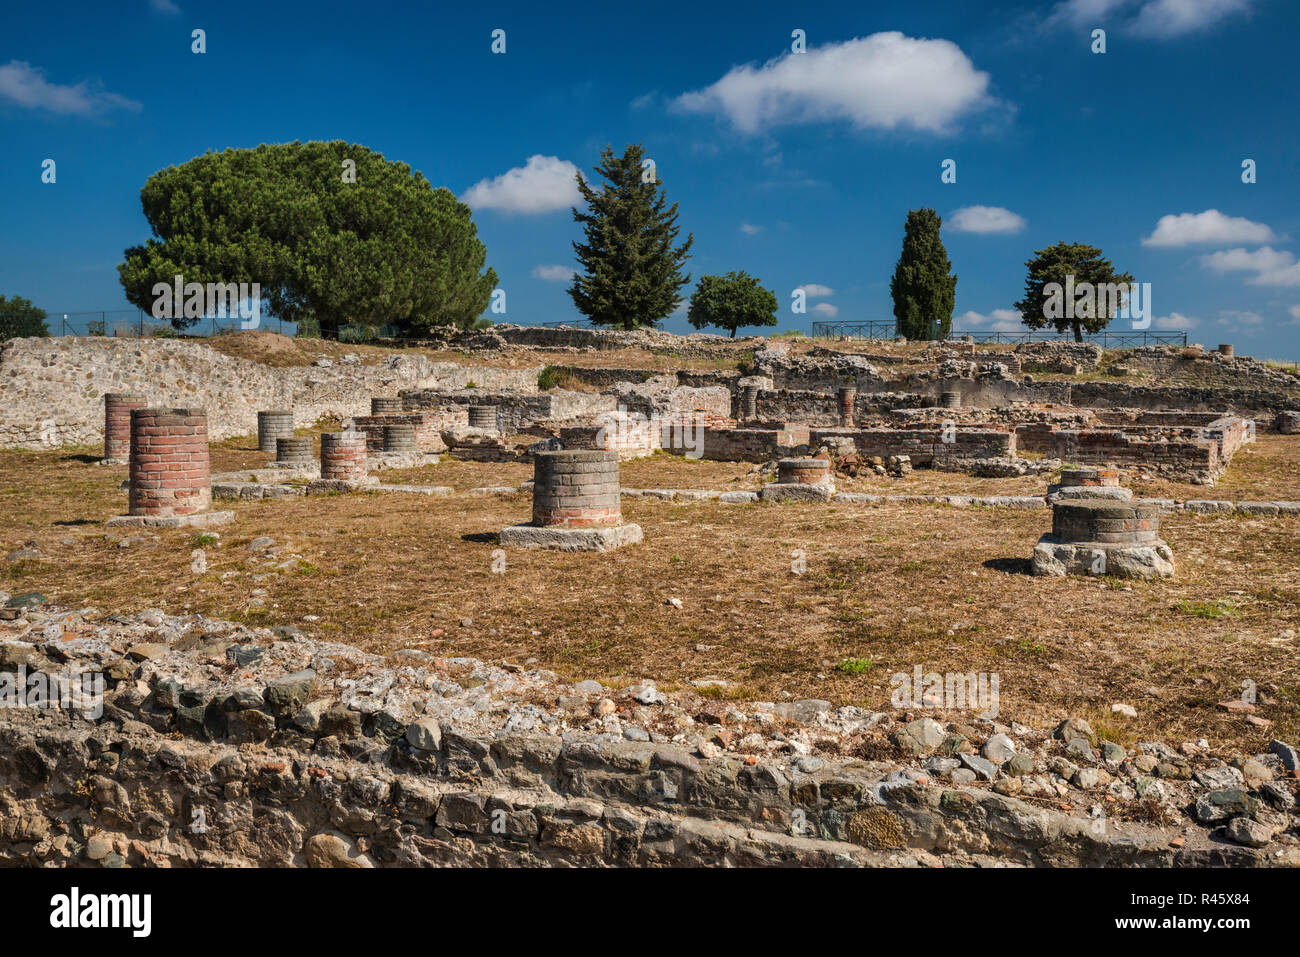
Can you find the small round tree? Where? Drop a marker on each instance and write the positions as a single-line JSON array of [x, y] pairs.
[[1055, 272], [732, 302], [333, 233], [18, 318]]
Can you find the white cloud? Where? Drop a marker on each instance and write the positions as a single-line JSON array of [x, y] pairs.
[[1272, 267], [1161, 19], [1286, 276], [1211, 226], [164, 6], [1175, 18], [1235, 319], [1295, 313], [1083, 13], [999, 320], [826, 309], [24, 84], [884, 81], [1239, 259], [984, 219], [543, 185], [816, 291], [553, 273], [1175, 321], [749, 229]]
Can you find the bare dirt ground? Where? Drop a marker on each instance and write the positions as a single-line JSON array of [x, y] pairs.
[[885, 588]]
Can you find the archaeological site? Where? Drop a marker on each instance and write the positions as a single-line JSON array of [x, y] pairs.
[[522, 457], [565, 596]]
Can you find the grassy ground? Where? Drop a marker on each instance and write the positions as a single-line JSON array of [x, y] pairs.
[[883, 589]]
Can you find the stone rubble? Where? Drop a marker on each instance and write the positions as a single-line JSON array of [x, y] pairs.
[[216, 700]]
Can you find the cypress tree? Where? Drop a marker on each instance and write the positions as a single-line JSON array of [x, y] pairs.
[[631, 273], [923, 287]]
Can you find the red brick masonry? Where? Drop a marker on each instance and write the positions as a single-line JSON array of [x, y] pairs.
[[169, 462], [576, 489], [343, 456], [118, 407]]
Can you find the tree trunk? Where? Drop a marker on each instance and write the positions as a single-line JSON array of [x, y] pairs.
[[1078, 333], [733, 333]]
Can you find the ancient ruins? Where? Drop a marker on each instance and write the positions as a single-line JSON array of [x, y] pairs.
[[1074, 468]]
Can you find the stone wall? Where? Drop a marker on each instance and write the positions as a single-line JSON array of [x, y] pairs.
[[52, 390], [516, 411], [926, 446], [1114, 395], [294, 752], [429, 426], [753, 445], [1192, 454]]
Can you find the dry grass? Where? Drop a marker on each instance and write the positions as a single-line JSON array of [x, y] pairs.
[[885, 588], [273, 349]]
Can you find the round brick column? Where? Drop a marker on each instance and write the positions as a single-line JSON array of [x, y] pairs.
[[343, 456], [803, 471], [950, 400], [1090, 477], [272, 426], [1106, 521], [169, 462], [399, 438], [845, 398], [483, 417], [576, 489], [1225, 349], [294, 450], [118, 407], [749, 402], [380, 405]]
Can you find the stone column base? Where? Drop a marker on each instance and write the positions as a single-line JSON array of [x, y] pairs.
[[319, 486], [197, 520], [570, 539], [1147, 560], [797, 492]]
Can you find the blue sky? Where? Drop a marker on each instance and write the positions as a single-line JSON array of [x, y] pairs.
[[796, 167]]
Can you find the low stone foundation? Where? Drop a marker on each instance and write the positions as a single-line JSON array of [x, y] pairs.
[[1104, 537], [571, 539], [800, 480], [295, 752]]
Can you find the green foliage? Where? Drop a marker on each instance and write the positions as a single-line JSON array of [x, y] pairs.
[[855, 666], [19, 318], [923, 286], [1204, 609], [732, 302], [547, 378], [385, 248], [631, 272], [1053, 265]]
